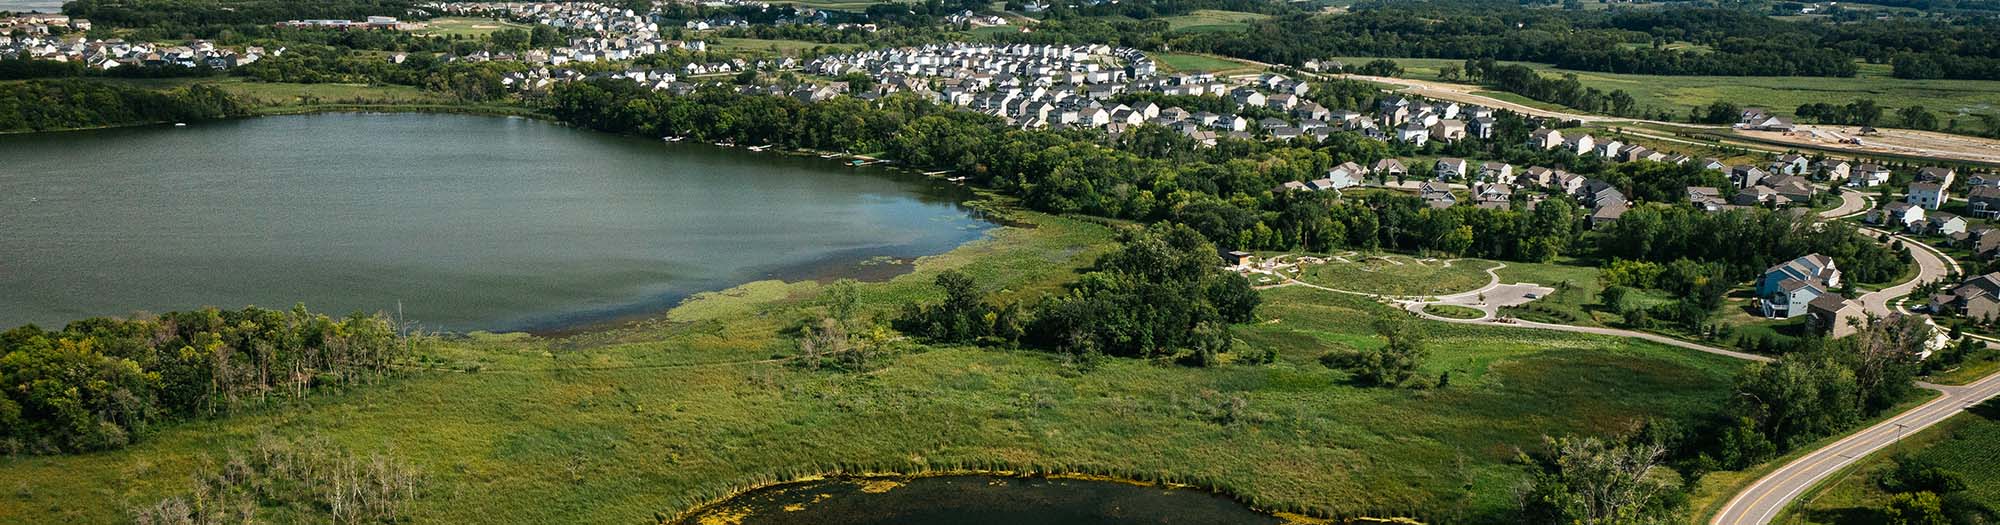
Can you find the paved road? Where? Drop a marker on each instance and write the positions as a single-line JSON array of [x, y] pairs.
[[1931, 266], [1852, 203], [1763, 500]]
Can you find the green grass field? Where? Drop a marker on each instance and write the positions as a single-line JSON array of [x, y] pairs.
[[1183, 62], [463, 26], [1779, 94], [1399, 275], [1212, 20], [660, 415], [1454, 311], [1968, 443]]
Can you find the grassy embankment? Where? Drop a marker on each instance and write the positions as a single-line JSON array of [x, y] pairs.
[[663, 415], [1968, 443]]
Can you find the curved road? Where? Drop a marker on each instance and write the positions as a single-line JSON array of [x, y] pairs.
[[1763, 500]]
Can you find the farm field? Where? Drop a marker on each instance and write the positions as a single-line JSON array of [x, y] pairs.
[[661, 415], [1968, 444], [1781, 95]]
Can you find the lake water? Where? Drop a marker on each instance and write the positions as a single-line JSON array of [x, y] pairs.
[[979, 500], [471, 222], [23, 6]]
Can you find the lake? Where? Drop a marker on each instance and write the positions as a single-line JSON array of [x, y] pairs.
[[472, 223], [23, 6], [977, 500]]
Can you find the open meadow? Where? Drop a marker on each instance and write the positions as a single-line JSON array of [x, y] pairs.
[[661, 415]]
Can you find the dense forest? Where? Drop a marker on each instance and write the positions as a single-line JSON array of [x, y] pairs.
[[101, 383], [40, 105]]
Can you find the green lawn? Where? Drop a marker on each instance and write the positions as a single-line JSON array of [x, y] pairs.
[[464, 26], [1454, 311], [1212, 20], [1779, 94], [1399, 275], [1968, 443], [1183, 62], [658, 416]]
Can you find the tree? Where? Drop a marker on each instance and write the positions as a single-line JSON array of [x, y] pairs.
[[512, 39], [1915, 508], [842, 297], [1586, 481], [545, 36], [1395, 363], [1916, 117]]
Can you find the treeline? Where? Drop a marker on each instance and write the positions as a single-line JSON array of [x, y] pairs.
[[1162, 295], [100, 384], [42, 105], [1745, 241], [142, 13], [1567, 90], [1153, 174], [1571, 41]]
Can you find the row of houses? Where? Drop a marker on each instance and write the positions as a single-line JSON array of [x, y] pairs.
[[41, 24], [373, 22], [106, 54]]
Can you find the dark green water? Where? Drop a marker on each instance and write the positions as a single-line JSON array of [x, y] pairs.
[[471, 222], [980, 500]]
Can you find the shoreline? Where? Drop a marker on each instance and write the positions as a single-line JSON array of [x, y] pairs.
[[1299, 517], [978, 206]]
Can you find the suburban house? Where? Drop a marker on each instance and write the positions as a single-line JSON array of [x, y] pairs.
[[1787, 288], [1900, 214], [1868, 176], [1945, 224], [1387, 168], [1437, 195], [1791, 164], [1834, 169], [1835, 316], [1943, 176], [1928, 195], [1983, 201], [1545, 139], [1706, 198], [1450, 169], [1976, 298], [1496, 171]]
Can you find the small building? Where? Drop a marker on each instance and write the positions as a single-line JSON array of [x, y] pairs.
[[1835, 316]]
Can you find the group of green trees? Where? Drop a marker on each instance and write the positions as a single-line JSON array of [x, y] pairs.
[[1745, 241], [1925, 491], [1567, 90], [102, 383], [40, 105], [1162, 295]]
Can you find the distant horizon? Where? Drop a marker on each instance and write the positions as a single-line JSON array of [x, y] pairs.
[[22, 6]]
